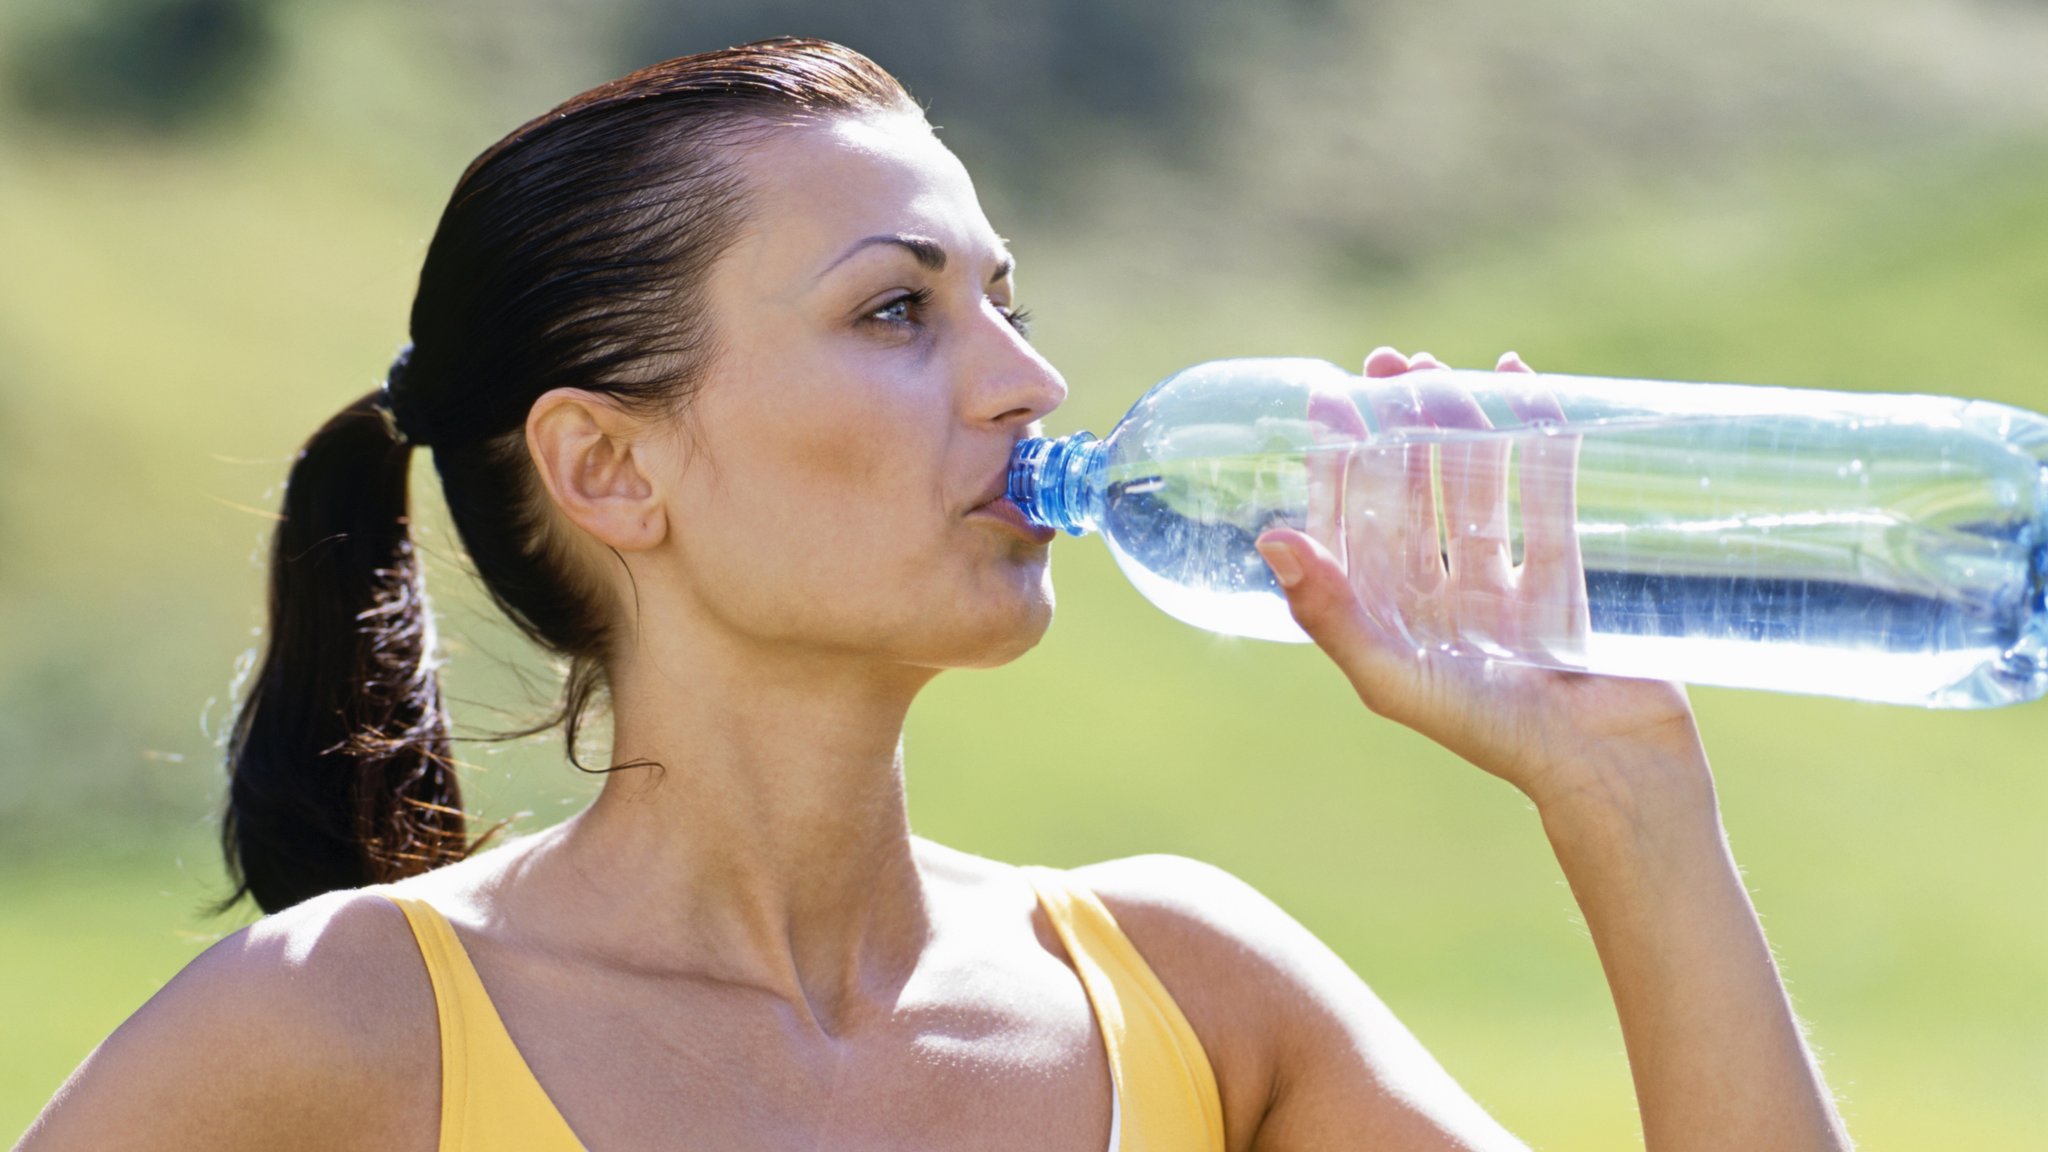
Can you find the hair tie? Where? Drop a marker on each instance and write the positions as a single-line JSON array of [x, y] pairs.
[[396, 402]]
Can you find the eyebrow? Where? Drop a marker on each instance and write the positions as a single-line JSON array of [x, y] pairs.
[[929, 253]]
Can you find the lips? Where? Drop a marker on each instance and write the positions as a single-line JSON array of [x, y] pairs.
[[994, 502], [994, 490], [1002, 509]]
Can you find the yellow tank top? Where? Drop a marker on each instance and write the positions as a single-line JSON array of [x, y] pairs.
[[1165, 1094]]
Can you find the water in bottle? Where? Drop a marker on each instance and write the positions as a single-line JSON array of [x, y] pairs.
[[1882, 547]]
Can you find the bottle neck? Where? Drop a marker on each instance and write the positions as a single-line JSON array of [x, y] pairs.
[[1057, 483]]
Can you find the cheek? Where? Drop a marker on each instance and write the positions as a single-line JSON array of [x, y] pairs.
[[860, 475], [821, 499], [824, 572], [836, 428]]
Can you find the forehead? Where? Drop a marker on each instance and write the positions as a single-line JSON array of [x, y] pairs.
[[815, 188]]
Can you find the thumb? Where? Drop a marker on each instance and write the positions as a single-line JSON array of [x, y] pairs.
[[1328, 609]]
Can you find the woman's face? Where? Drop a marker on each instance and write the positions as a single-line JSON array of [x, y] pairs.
[[840, 475]]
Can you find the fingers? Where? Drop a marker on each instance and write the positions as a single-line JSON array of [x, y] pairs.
[[1378, 534], [1373, 518], [1475, 475], [1336, 428], [1391, 506], [1384, 361], [1552, 582], [1553, 576], [1390, 502]]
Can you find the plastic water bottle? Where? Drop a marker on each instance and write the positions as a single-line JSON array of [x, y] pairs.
[[1882, 547]]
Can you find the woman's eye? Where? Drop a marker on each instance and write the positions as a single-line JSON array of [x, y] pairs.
[[909, 309], [901, 310]]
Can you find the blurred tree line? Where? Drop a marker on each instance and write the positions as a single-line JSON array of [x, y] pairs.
[[1361, 133], [146, 65]]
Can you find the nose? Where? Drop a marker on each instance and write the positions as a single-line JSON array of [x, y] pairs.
[[1010, 383]]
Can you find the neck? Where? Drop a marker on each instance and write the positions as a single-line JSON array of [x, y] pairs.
[[771, 846]]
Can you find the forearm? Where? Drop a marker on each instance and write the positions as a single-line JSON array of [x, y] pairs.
[[1717, 1056]]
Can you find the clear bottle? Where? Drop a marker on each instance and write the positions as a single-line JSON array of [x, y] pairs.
[[1882, 547]]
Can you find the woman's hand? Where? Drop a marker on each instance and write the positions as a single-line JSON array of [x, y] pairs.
[[1410, 619], [1614, 766]]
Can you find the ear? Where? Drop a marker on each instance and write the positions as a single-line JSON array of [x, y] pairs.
[[591, 455]]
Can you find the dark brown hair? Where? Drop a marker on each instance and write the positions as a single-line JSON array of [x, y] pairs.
[[572, 254]]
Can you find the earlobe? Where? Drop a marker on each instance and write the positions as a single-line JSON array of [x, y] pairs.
[[590, 458]]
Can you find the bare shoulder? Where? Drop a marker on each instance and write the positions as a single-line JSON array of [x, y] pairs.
[[1188, 911], [1230, 958], [312, 1028], [1306, 1054], [344, 967]]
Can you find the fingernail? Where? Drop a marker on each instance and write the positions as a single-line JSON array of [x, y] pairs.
[[1280, 559]]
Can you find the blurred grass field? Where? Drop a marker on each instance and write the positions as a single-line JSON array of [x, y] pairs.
[[175, 321]]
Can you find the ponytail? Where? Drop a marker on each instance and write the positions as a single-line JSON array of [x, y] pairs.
[[338, 763]]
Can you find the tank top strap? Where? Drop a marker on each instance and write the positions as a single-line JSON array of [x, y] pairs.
[[489, 1097], [1165, 1087]]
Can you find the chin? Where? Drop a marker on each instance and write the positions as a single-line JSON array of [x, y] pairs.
[[999, 632], [1016, 641]]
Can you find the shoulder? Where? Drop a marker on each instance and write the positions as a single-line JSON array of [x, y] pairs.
[[1306, 1054], [343, 966], [314, 1027], [1220, 939], [1185, 913], [1250, 979]]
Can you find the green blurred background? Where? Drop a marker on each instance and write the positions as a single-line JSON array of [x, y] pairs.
[[212, 213]]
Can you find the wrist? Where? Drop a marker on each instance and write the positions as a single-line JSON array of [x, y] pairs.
[[1641, 798]]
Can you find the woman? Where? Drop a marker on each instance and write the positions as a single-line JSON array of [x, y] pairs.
[[721, 369]]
